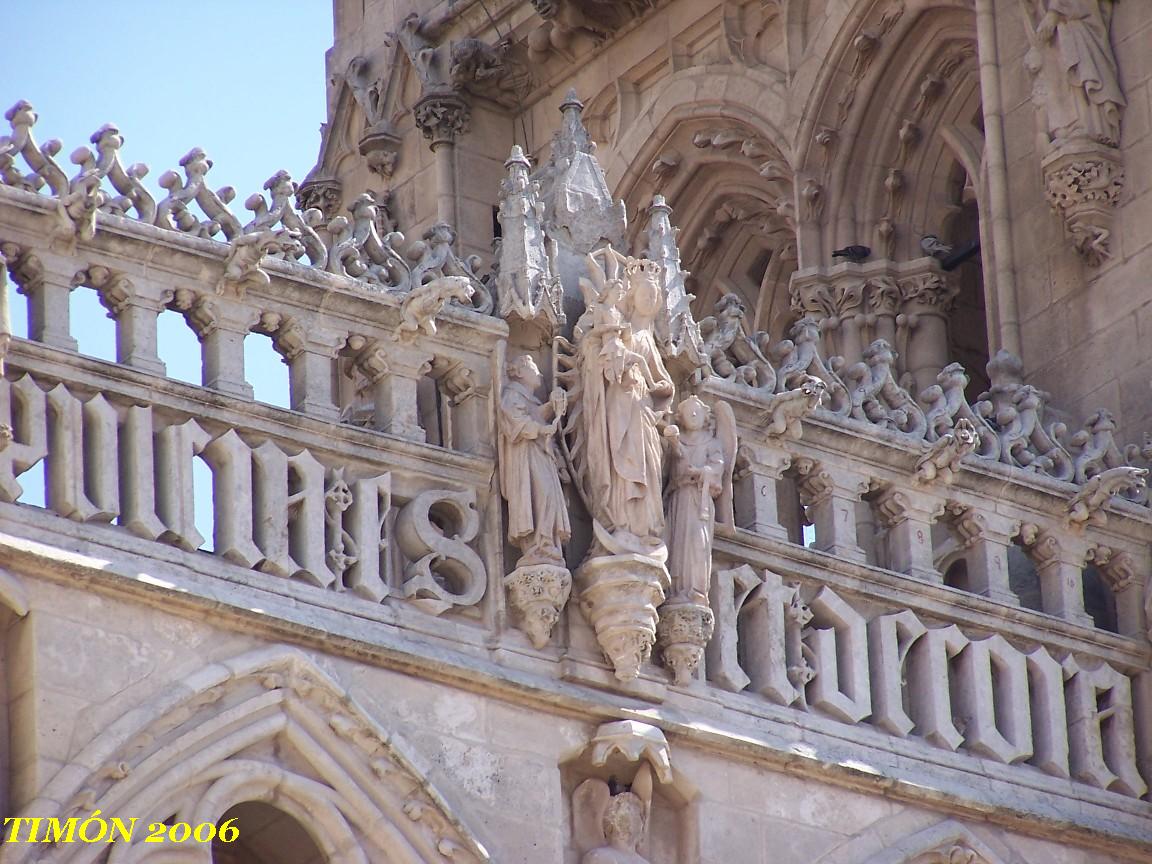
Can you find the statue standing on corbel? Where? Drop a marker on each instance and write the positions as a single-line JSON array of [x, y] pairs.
[[699, 495], [1078, 96], [1073, 50], [621, 395], [530, 476]]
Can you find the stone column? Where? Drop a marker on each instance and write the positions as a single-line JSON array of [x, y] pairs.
[[442, 117], [136, 316], [831, 497], [1119, 569], [757, 508], [849, 306], [310, 353], [987, 537], [909, 515], [883, 301], [1060, 563], [221, 326], [48, 294], [136, 338], [395, 374], [222, 349], [927, 298]]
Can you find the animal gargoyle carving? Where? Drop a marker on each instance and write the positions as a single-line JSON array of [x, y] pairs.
[[785, 410], [943, 458], [1087, 505], [242, 266], [424, 302]]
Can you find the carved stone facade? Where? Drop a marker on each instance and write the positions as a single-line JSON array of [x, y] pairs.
[[719, 431]]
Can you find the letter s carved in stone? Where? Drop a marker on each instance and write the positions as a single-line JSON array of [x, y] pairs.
[[433, 531]]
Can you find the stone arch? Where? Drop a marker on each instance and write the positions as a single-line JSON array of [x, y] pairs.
[[891, 146], [267, 726], [707, 144], [943, 843]]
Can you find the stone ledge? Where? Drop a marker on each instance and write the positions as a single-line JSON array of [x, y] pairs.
[[854, 757]]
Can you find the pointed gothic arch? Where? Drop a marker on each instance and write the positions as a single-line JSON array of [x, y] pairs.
[[707, 141], [267, 726], [947, 842]]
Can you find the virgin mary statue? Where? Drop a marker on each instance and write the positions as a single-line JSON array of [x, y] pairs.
[[621, 397]]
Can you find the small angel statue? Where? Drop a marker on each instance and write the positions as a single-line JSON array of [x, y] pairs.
[[699, 492], [611, 822]]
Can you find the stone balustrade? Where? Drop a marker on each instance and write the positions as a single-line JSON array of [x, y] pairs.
[[940, 608]]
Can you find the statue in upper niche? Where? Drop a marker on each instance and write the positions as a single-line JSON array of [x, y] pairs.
[[622, 395], [1072, 51], [529, 474]]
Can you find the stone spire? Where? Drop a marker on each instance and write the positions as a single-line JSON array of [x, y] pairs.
[[527, 287]]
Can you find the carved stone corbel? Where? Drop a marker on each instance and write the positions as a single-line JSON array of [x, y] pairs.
[[442, 117], [1083, 182]]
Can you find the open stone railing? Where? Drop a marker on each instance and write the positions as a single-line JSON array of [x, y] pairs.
[[912, 565]]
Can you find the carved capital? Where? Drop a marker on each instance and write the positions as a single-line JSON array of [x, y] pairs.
[[895, 506], [202, 314], [927, 293], [973, 525], [442, 117], [1047, 548], [1117, 568], [372, 362], [1083, 185], [26, 269], [115, 289]]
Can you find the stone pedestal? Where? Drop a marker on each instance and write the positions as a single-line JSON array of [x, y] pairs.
[[682, 634], [538, 593], [620, 595]]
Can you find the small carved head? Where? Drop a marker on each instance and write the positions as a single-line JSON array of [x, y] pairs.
[[807, 329], [645, 268], [107, 135], [624, 821], [729, 306], [441, 232], [524, 369], [693, 414]]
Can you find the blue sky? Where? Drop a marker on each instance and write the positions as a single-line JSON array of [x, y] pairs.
[[242, 79]]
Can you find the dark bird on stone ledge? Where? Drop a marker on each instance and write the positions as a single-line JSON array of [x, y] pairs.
[[855, 254]]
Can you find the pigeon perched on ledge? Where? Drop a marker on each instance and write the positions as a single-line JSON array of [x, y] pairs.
[[934, 246], [855, 254]]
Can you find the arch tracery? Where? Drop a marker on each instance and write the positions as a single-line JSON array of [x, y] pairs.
[[266, 727]]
